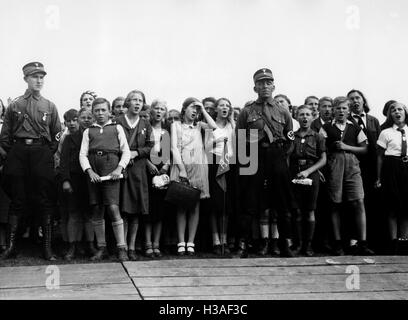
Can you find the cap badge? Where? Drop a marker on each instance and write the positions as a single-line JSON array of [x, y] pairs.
[[263, 70]]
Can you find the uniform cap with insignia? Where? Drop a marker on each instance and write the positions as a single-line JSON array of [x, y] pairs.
[[263, 74], [32, 68]]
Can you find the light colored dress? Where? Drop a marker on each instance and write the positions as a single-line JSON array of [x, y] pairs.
[[191, 148]]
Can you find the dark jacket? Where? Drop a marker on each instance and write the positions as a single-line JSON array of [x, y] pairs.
[[69, 163]]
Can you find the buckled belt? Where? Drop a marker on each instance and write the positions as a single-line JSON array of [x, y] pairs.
[[30, 141], [102, 152], [403, 159], [276, 144], [304, 162]]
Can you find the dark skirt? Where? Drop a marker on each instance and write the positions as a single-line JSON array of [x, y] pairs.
[[158, 207], [135, 189], [77, 201], [394, 180]]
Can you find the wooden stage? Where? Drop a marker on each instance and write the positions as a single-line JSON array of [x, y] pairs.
[[379, 277]]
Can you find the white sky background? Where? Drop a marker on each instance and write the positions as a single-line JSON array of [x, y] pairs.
[[173, 49]]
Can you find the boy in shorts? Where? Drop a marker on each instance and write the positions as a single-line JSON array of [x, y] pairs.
[[105, 152], [344, 140]]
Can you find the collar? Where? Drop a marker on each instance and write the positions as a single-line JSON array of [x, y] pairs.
[[309, 132], [99, 126], [355, 115], [191, 126], [28, 93], [395, 127], [333, 122], [132, 126], [269, 101], [322, 121]]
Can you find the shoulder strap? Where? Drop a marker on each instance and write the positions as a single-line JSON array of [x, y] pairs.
[[31, 122]]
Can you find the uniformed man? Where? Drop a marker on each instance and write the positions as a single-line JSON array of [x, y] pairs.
[[28, 135], [269, 187]]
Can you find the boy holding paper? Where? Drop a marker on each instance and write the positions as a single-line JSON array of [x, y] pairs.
[[105, 152], [308, 156]]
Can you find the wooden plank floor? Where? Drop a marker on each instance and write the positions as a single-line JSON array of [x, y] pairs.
[[382, 277], [77, 281]]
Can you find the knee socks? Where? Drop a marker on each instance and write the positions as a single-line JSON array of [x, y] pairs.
[[99, 228], [118, 231]]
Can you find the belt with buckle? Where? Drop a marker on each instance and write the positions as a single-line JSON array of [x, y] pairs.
[[402, 158], [275, 144], [29, 141], [103, 152]]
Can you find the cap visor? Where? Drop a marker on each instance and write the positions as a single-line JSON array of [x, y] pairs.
[[36, 71]]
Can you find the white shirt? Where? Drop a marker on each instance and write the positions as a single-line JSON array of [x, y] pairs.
[[124, 147], [390, 140], [157, 133], [296, 125], [218, 135]]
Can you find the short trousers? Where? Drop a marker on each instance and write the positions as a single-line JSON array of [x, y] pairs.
[[105, 193], [344, 180]]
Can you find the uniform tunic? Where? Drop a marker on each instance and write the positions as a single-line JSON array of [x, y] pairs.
[[270, 186], [29, 168], [42, 120], [307, 151]]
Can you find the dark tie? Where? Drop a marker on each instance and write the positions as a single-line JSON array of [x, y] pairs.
[[360, 122], [403, 143]]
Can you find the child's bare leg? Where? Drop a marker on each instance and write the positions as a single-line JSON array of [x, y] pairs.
[[132, 226], [181, 224], [360, 216], [214, 229], [157, 228], [193, 218], [335, 219]]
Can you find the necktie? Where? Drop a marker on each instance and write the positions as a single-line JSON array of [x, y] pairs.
[[360, 122], [403, 143]]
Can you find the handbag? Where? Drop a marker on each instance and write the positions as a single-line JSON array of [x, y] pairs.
[[182, 194]]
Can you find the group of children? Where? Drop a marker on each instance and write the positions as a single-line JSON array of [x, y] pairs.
[[115, 162]]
